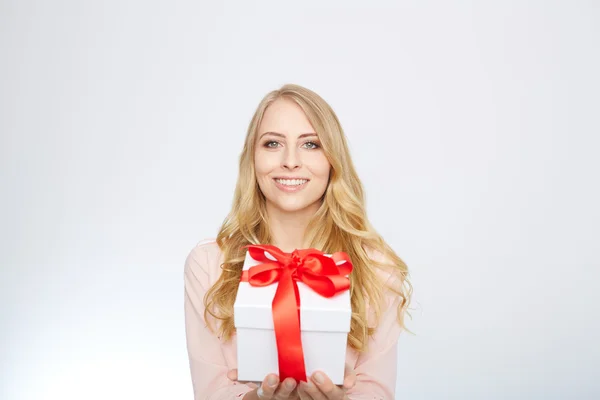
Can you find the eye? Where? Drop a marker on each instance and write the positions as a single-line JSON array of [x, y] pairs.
[[271, 144], [311, 145]]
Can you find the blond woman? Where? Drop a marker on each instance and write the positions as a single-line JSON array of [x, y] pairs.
[[297, 188]]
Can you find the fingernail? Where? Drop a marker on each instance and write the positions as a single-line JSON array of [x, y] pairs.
[[272, 380], [319, 378], [290, 385]]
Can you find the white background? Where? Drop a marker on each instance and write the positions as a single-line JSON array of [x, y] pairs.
[[474, 126]]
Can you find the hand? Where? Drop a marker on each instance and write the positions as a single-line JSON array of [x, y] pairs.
[[320, 387], [270, 388]]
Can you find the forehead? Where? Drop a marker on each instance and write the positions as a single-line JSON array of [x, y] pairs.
[[286, 117]]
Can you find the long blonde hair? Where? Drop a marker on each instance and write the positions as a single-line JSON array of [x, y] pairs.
[[340, 224]]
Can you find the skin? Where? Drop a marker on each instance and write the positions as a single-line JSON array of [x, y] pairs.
[[287, 146], [315, 389]]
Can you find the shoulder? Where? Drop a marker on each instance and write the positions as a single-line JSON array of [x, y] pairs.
[[385, 269], [204, 261], [383, 311]]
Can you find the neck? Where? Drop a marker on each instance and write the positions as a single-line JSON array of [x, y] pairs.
[[288, 229]]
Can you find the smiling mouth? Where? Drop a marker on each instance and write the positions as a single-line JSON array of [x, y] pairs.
[[291, 182], [290, 185]]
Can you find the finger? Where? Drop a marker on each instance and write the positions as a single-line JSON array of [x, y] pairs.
[[349, 383], [232, 374], [349, 378], [267, 387], [311, 391], [326, 386], [286, 388], [302, 395]]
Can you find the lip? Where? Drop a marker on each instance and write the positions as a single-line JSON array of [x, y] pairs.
[[290, 189]]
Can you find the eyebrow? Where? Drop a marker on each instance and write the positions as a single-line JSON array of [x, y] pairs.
[[283, 136]]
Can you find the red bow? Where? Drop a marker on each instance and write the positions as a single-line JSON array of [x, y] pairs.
[[325, 275]]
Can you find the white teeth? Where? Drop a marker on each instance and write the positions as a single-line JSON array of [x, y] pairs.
[[292, 182]]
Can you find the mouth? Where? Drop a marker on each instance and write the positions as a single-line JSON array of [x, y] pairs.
[[290, 185]]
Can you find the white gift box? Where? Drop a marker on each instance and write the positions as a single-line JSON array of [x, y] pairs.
[[325, 323]]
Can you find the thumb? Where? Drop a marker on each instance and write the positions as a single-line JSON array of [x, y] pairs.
[[349, 378], [232, 374]]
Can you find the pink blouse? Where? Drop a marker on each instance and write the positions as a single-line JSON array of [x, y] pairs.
[[211, 358]]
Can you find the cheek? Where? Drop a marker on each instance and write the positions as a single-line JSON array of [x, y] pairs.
[[263, 164], [321, 167]]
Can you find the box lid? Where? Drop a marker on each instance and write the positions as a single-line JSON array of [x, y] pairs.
[[252, 307]]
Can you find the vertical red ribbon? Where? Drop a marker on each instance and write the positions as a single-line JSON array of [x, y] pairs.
[[325, 275]]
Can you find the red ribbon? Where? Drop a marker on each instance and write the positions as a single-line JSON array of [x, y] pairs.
[[325, 275]]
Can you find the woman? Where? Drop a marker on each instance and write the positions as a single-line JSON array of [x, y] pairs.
[[297, 188]]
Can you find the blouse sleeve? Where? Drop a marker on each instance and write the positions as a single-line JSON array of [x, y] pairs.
[[376, 368], [207, 363]]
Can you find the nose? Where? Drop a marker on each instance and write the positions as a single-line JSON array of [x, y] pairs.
[[291, 159]]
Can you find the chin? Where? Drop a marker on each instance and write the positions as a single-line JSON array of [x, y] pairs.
[[295, 207], [290, 207]]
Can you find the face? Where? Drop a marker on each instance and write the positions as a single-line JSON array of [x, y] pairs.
[[291, 168]]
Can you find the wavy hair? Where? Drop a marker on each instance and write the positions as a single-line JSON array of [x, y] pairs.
[[340, 224]]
